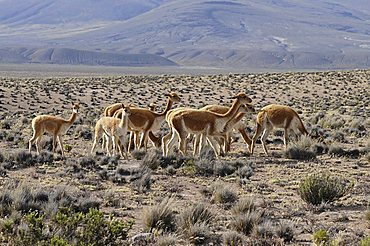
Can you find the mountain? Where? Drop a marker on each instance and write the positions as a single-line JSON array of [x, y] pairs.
[[239, 33]]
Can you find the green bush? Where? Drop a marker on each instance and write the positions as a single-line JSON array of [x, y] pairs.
[[321, 237], [321, 188], [365, 241], [66, 228]]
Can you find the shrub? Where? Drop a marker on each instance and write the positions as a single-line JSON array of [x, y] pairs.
[[204, 167], [336, 150], [245, 172], [144, 181], [83, 132], [243, 206], [233, 238], [198, 234], [296, 153], [197, 214], [264, 230], [23, 159], [321, 237], [284, 230], [319, 188], [224, 195], [87, 162], [222, 168], [244, 223], [152, 160], [301, 149], [85, 204], [320, 148], [6, 201], [166, 241], [67, 227], [160, 217], [365, 241], [142, 155], [45, 157], [67, 147]]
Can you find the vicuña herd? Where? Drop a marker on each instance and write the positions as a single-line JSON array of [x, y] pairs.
[[212, 124]]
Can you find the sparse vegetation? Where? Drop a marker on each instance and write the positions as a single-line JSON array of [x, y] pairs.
[[267, 189]]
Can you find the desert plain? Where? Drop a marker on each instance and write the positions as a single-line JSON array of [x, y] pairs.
[[336, 104]]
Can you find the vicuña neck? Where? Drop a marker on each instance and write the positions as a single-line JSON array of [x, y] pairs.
[[233, 109], [124, 121], [72, 118], [168, 107]]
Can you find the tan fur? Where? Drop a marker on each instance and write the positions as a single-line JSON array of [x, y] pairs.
[[114, 130], [236, 123], [276, 116], [144, 120], [52, 125], [111, 109], [195, 121], [156, 141]]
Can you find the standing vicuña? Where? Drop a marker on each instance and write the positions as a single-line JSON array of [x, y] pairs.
[[144, 120], [278, 116], [237, 123], [114, 130], [53, 125], [194, 121]]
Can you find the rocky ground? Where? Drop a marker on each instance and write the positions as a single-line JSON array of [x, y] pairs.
[[336, 104]]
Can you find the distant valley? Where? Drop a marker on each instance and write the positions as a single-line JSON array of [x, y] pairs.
[[258, 34]]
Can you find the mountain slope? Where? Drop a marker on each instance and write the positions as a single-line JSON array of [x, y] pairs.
[[73, 56], [254, 33]]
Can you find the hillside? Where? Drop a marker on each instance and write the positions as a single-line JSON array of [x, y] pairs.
[[259, 34]]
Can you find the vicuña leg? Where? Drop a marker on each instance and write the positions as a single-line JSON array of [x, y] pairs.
[[60, 140]]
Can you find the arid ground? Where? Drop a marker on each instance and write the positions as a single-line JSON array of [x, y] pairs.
[[336, 104]]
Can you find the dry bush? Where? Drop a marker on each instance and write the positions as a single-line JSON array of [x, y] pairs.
[[197, 214], [245, 223], [301, 149], [245, 205], [233, 238], [224, 195], [160, 217]]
